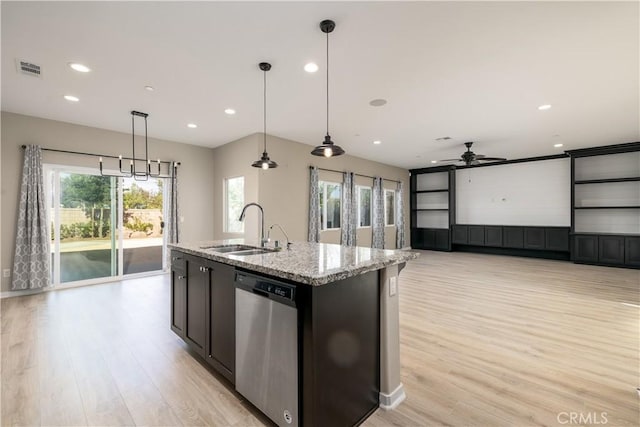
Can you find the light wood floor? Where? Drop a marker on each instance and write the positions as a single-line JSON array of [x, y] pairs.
[[486, 341]]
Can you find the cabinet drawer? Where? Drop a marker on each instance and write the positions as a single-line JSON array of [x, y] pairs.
[[556, 239], [460, 235], [178, 260], [534, 238], [513, 237]]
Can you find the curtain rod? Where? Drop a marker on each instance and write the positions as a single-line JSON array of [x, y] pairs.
[[97, 155], [358, 174]]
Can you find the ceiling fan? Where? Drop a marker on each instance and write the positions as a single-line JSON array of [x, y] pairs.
[[471, 158]]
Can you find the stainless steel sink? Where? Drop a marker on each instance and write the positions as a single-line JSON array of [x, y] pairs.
[[228, 248]]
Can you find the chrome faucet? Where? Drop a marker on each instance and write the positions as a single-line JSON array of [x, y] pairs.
[[262, 239], [283, 232]]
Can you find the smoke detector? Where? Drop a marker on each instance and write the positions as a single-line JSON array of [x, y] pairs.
[[29, 68]]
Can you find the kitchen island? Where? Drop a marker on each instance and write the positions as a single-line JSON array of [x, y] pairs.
[[309, 335]]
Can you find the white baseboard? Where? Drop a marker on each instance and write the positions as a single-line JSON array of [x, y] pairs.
[[9, 294], [389, 402], [406, 248]]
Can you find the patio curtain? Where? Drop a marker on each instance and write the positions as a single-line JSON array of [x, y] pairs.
[[32, 255], [377, 196], [314, 206], [348, 232], [400, 217], [171, 220]]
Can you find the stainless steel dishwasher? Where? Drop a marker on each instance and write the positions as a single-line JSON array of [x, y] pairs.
[[267, 346]]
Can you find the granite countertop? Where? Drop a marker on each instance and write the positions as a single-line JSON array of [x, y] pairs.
[[309, 263]]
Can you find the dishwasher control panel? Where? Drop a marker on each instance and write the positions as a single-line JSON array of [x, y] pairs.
[[259, 284]]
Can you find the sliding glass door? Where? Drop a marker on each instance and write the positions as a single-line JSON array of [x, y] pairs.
[[103, 227]]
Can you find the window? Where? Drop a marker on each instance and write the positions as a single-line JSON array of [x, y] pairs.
[[330, 197], [234, 202], [364, 206], [389, 208]]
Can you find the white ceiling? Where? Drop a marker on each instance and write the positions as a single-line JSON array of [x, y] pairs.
[[472, 71]]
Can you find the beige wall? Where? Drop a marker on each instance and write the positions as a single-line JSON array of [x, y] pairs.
[[195, 174], [284, 192]]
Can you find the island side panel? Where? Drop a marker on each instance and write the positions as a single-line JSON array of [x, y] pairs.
[[341, 354], [391, 389]]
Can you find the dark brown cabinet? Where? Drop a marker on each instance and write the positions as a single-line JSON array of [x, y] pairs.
[[460, 234], [476, 235], [493, 236], [513, 237], [611, 249], [632, 251], [197, 307], [203, 309], [534, 238], [556, 239], [585, 248], [222, 338], [178, 297]]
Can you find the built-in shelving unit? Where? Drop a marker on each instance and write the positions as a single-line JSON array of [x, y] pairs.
[[605, 222], [432, 207]]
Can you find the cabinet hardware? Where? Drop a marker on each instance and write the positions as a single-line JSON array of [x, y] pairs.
[[176, 258], [182, 277]]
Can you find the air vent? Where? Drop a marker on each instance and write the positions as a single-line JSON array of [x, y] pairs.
[[443, 138], [29, 68]]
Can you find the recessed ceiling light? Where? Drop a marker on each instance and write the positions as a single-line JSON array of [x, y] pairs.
[[230, 111], [377, 102], [149, 88], [434, 161], [79, 67], [71, 98], [544, 107], [311, 67], [557, 145], [192, 125], [377, 142]]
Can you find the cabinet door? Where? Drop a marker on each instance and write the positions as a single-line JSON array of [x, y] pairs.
[[534, 238], [556, 239], [632, 251], [493, 235], [513, 237], [178, 301], [611, 249], [442, 240], [460, 235], [222, 331], [476, 235], [429, 238], [197, 301], [585, 248]]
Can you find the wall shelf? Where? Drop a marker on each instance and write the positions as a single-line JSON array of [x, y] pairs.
[[607, 207], [433, 191], [430, 209]]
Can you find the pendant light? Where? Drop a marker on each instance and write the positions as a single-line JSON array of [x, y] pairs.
[[328, 148], [264, 162], [134, 170]]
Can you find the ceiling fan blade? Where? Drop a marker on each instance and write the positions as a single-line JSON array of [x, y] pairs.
[[450, 160], [491, 159], [480, 156]]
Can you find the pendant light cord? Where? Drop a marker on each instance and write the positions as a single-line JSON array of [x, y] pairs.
[[264, 133], [327, 84]]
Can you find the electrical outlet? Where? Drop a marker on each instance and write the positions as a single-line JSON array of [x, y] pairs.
[[6, 272], [393, 285]]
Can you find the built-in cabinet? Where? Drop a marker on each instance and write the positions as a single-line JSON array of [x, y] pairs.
[[203, 309], [510, 237], [432, 208], [605, 206]]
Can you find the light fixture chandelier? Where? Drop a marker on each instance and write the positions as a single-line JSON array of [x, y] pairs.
[[328, 148], [264, 162], [139, 173]]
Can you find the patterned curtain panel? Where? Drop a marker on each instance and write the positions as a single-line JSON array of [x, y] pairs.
[[314, 206], [377, 240], [349, 214], [171, 220], [400, 217], [32, 256]]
